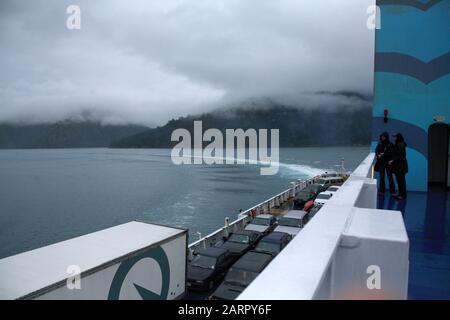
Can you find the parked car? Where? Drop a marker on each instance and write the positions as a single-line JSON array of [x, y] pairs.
[[292, 222], [307, 194], [323, 198], [240, 242], [273, 243], [241, 274], [208, 267], [333, 174], [330, 181], [316, 188], [303, 196], [314, 210], [333, 189], [263, 223]]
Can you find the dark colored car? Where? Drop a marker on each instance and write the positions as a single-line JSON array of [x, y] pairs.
[[333, 188], [314, 210], [302, 197], [242, 241], [208, 267], [241, 274], [316, 188], [263, 223], [273, 243], [307, 194]]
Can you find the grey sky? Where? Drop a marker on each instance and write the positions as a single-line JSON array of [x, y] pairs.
[[147, 61]]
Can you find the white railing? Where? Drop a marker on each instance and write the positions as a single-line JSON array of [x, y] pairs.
[[218, 235], [315, 265]]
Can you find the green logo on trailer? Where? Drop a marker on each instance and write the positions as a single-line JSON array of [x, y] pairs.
[[156, 254]]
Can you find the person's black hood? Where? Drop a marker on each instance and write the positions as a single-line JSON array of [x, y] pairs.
[[196, 273], [386, 135], [399, 138]]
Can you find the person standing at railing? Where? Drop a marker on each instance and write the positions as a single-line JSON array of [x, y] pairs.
[[400, 165], [384, 153]]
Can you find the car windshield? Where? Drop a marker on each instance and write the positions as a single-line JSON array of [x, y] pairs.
[[240, 277], [260, 221], [321, 181], [324, 196], [204, 262], [333, 189], [290, 222], [239, 238], [268, 246]]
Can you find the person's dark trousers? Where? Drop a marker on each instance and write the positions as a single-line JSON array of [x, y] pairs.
[[390, 176], [401, 181], [384, 170]]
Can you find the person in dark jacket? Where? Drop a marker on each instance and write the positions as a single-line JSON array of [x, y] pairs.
[[385, 152], [400, 165]]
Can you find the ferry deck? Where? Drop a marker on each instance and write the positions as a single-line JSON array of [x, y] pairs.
[[427, 221]]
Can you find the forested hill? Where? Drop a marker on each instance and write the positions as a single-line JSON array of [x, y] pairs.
[[64, 134], [298, 127]]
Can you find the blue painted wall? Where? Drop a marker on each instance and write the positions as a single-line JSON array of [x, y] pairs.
[[412, 76]]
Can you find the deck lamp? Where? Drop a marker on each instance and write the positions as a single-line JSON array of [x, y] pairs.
[[386, 113]]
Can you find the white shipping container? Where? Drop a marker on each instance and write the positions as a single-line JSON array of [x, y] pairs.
[[135, 260]]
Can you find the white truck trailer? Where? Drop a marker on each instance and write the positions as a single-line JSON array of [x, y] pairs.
[[135, 260]]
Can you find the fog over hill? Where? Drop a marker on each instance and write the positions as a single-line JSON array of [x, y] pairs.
[[299, 127], [328, 118]]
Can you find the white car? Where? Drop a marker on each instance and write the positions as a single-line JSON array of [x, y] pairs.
[[333, 189], [323, 198], [263, 223], [292, 222], [330, 181]]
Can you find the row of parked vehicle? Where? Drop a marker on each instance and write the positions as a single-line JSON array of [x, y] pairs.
[[240, 258], [244, 254], [314, 196], [237, 261], [250, 265], [290, 223]]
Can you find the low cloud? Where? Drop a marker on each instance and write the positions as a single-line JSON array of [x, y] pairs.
[[149, 61]]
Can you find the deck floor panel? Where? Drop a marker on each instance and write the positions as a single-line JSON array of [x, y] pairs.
[[427, 221]]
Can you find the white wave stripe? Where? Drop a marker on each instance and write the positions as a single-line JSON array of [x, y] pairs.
[[302, 169]]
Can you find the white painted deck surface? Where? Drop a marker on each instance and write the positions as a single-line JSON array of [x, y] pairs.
[[33, 270]]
